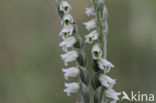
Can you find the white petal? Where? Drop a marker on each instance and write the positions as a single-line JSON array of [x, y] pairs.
[[71, 72], [68, 42], [90, 11], [71, 88], [105, 63], [69, 57], [65, 7], [66, 31], [100, 65], [90, 24], [107, 81], [111, 93]]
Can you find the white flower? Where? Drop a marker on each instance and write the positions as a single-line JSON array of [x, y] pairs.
[[71, 88], [112, 94], [91, 37], [71, 72], [107, 81], [67, 20], [102, 63], [90, 24], [66, 31], [69, 57], [90, 11], [65, 7], [67, 43], [96, 52]]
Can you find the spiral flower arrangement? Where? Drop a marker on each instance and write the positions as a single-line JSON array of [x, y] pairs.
[[72, 45], [101, 82]]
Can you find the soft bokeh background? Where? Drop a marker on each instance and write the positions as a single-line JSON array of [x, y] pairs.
[[30, 63]]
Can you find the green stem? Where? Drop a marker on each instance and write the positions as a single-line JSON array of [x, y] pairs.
[[102, 35]]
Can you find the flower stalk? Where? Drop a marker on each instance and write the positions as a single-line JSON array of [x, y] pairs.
[[101, 82], [72, 45]]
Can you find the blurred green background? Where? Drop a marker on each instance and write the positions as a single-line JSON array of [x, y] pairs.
[[30, 63]]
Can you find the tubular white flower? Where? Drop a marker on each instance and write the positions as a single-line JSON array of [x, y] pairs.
[[67, 43], [102, 63], [91, 37], [90, 24], [71, 72], [111, 93], [90, 11], [69, 57], [107, 81], [71, 88], [67, 20], [96, 52], [65, 7], [66, 32]]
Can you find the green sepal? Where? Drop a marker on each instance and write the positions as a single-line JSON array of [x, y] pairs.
[[57, 5], [79, 42], [100, 5], [81, 60], [84, 75], [75, 31], [94, 3], [85, 93], [98, 95], [95, 80], [95, 66]]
